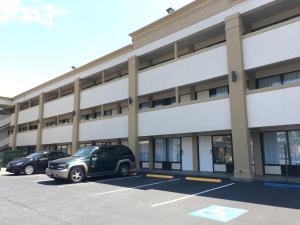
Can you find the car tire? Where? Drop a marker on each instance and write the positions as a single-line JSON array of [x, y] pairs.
[[124, 170], [29, 170], [76, 175]]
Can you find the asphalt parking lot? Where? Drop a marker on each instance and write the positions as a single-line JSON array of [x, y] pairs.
[[38, 200]]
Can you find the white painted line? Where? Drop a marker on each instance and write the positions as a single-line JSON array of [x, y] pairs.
[[140, 186], [36, 181], [120, 178], [189, 196], [99, 181]]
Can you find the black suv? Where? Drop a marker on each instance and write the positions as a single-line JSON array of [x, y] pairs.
[[93, 161], [36, 162]]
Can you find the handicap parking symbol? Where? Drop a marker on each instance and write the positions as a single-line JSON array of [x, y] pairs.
[[219, 213]]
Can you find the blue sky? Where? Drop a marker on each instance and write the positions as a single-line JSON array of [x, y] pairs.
[[42, 39]]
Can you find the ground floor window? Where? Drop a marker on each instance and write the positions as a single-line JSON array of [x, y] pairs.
[[144, 153], [66, 148], [222, 153], [281, 153], [167, 153]]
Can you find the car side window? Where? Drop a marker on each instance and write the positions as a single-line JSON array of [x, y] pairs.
[[104, 153]]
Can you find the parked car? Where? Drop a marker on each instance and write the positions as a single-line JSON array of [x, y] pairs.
[[91, 162], [36, 162]]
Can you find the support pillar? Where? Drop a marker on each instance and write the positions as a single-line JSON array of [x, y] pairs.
[[16, 119], [237, 87], [40, 122], [151, 153], [133, 108], [76, 116], [177, 94], [196, 165], [175, 50]]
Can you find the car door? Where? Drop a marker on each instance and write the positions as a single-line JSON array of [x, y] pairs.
[[106, 161], [42, 162]]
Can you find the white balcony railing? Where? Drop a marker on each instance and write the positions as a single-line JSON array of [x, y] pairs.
[[274, 108], [60, 134], [110, 128], [26, 138], [197, 117], [272, 45], [204, 65]]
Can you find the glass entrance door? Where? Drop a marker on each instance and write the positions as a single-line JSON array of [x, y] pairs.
[[222, 154]]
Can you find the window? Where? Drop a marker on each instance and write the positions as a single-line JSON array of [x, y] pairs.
[[220, 91], [294, 147], [291, 77], [33, 126], [50, 123], [174, 151], [274, 145], [108, 112], [23, 127], [98, 115], [164, 102], [144, 151], [124, 110], [277, 80], [269, 82], [160, 150], [144, 105], [64, 122]]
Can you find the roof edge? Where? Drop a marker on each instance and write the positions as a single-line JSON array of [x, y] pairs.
[[80, 69], [170, 17]]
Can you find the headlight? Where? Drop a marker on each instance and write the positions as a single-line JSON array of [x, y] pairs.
[[62, 166], [19, 164]]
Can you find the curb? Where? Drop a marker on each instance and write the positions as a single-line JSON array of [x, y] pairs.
[[159, 176], [202, 179]]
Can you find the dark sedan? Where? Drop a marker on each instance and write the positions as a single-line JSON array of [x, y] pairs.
[[36, 162]]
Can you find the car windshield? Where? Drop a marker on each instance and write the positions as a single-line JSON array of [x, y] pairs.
[[84, 152], [33, 155]]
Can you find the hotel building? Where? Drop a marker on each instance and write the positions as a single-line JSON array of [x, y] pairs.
[[212, 88]]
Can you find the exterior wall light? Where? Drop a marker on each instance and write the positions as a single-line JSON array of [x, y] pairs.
[[130, 100], [233, 76]]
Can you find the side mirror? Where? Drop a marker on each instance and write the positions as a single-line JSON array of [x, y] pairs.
[[94, 156]]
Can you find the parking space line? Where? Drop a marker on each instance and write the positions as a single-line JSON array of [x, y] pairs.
[[140, 186], [37, 181], [99, 181], [120, 178], [190, 196]]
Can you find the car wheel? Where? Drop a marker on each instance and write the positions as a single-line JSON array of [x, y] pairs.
[[29, 170], [76, 175], [124, 170]]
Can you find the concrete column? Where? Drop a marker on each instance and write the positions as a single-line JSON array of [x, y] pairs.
[[237, 84], [257, 152], [196, 165], [151, 153], [176, 50], [76, 116], [40, 122], [103, 77], [133, 108], [177, 94], [16, 119]]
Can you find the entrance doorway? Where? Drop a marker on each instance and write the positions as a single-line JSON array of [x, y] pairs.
[[222, 154]]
